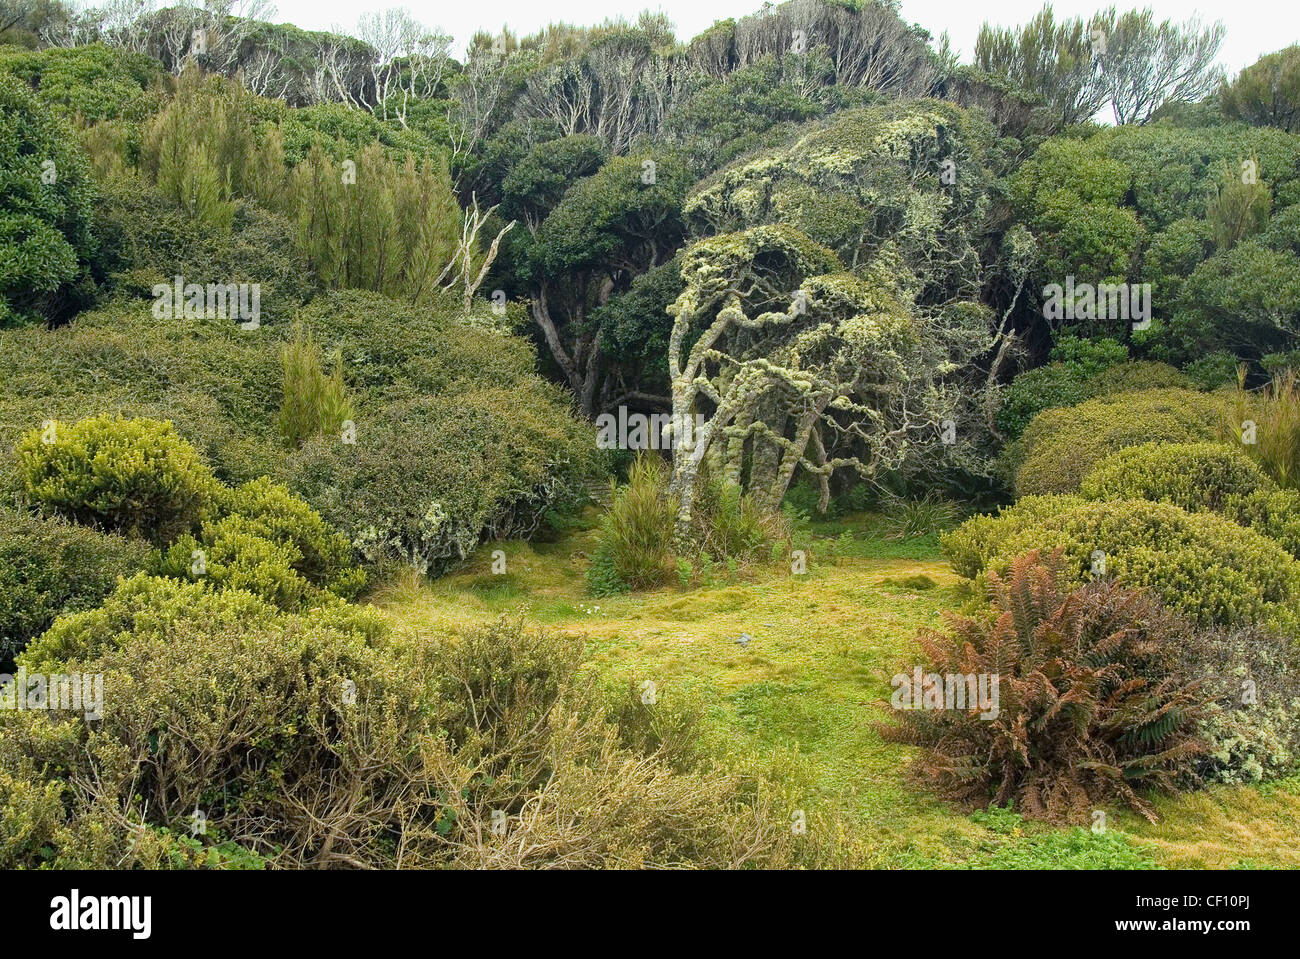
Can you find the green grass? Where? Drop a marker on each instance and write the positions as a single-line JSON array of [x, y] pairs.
[[806, 695]]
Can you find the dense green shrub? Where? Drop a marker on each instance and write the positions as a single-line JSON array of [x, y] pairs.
[[1089, 706], [146, 239], [91, 82], [1213, 370], [1060, 446], [1043, 388], [316, 740], [1079, 370], [231, 556], [427, 478], [1194, 476], [46, 202], [1201, 476], [1137, 375], [1205, 566], [386, 343], [1275, 513], [262, 538], [50, 566], [133, 475], [272, 511], [1252, 724], [970, 546]]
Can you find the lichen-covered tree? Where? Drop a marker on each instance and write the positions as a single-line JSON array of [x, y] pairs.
[[901, 179], [793, 362]]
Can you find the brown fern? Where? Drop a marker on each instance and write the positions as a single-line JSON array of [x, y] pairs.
[[1091, 708]]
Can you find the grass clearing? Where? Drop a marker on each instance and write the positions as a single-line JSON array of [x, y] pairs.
[[805, 693]]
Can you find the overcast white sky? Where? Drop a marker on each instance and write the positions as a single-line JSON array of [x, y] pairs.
[[1253, 29]]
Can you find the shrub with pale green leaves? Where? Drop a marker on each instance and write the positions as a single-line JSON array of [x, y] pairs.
[[1202, 565], [1195, 476], [135, 476], [1060, 446]]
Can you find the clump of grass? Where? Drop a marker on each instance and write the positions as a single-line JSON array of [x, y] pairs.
[[634, 543], [1274, 411], [904, 519]]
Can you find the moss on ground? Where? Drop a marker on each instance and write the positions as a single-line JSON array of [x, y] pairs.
[[805, 692]]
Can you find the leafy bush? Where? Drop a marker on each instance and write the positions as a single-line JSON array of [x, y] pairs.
[[1275, 513], [1059, 447], [271, 511], [1213, 370], [1043, 388], [49, 566], [1090, 708], [1252, 724], [1137, 375], [316, 740], [1079, 370], [229, 555], [91, 82], [1194, 476], [1201, 476], [132, 475], [1202, 565], [46, 201], [429, 477], [971, 545]]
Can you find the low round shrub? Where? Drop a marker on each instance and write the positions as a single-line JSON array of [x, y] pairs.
[[1088, 706], [317, 740], [1275, 513], [429, 477], [136, 476], [1205, 566], [1060, 446], [270, 510], [1195, 476], [49, 566], [230, 555], [1137, 375], [970, 546]]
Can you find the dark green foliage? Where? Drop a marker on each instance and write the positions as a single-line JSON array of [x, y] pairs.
[[46, 202], [1069, 379], [50, 566], [146, 239], [428, 477]]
